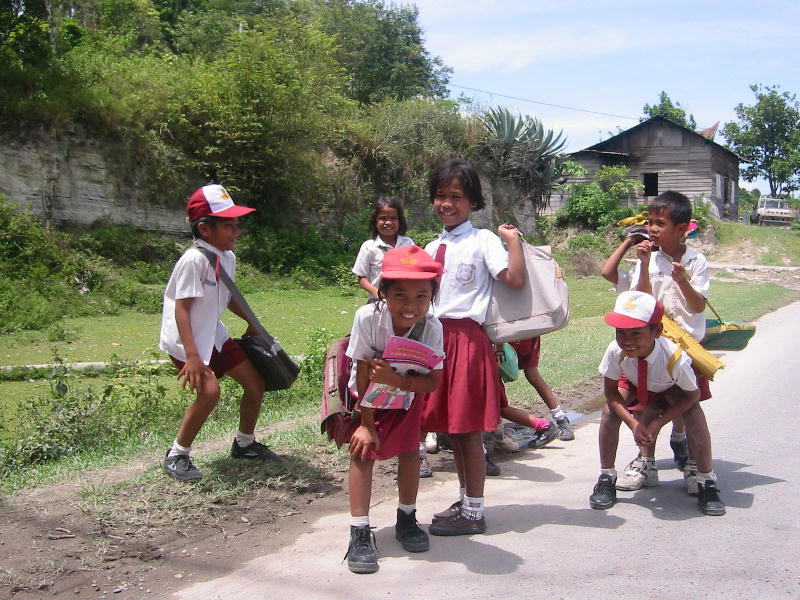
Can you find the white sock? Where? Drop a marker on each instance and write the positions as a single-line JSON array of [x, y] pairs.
[[472, 508], [557, 412], [612, 472], [704, 477], [422, 450], [649, 461], [462, 492], [178, 449], [407, 508], [245, 439], [677, 436], [359, 521]]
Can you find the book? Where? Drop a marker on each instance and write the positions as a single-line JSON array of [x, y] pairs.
[[406, 357]]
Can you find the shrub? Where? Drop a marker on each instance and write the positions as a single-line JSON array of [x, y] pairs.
[[589, 241]]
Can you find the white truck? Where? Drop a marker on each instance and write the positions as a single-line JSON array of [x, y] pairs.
[[772, 211]]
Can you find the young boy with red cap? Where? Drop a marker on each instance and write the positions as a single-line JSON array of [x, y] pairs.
[[196, 339], [666, 387]]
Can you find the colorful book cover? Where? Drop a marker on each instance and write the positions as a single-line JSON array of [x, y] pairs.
[[406, 357]]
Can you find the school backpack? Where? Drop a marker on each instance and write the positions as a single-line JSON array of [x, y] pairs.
[[540, 306], [336, 407], [338, 417]]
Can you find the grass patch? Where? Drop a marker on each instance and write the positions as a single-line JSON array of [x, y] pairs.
[[773, 246]]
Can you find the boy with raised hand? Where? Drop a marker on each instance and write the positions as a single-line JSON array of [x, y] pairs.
[[196, 339], [666, 387]]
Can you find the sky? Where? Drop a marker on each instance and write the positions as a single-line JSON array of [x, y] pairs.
[[614, 57]]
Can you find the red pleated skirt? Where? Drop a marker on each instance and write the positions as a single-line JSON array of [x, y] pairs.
[[398, 430], [468, 398]]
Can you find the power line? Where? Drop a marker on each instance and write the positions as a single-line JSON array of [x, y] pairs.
[[594, 112]]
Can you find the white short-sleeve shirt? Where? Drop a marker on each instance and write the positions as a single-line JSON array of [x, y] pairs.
[[372, 328], [666, 289], [658, 376], [370, 257], [473, 259], [194, 277]]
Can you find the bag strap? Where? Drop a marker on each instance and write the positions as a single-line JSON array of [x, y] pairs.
[[418, 330], [714, 310], [237, 295]]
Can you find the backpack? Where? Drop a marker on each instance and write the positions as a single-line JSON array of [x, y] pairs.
[[336, 408], [338, 415], [539, 307]]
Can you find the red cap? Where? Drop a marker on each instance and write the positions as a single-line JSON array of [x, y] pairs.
[[214, 201], [409, 262], [635, 309]]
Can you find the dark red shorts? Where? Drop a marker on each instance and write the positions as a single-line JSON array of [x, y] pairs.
[[221, 361], [702, 384], [527, 352]]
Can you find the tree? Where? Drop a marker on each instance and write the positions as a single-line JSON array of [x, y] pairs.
[[674, 112], [767, 137]]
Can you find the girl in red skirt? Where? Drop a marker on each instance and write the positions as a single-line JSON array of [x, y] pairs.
[[467, 402], [408, 284]]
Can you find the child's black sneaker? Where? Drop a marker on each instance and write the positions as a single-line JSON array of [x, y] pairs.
[[545, 436], [708, 497], [362, 554], [604, 495], [680, 453], [409, 534], [255, 451], [180, 467], [454, 508]]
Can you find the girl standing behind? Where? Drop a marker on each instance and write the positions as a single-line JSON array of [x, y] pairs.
[[407, 286], [467, 402], [387, 226]]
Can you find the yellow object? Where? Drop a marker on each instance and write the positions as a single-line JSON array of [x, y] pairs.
[[706, 363], [640, 219]]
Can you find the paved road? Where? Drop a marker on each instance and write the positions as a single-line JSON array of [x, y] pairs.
[[545, 542]]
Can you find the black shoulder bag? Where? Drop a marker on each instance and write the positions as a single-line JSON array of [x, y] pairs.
[[264, 351]]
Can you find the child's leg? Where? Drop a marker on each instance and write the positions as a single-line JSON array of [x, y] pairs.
[[408, 477], [698, 437], [360, 486], [197, 412], [252, 396], [540, 385], [468, 453]]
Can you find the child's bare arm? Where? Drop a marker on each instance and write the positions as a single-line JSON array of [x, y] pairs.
[[695, 301], [381, 372], [643, 250], [609, 270], [234, 307], [193, 369], [365, 434], [365, 285], [513, 275]]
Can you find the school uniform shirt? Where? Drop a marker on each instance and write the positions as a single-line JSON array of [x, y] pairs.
[[370, 257], [474, 257], [658, 376], [194, 277], [666, 289], [372, 328]]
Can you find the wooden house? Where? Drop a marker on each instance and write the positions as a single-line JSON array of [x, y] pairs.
[[663, 155]]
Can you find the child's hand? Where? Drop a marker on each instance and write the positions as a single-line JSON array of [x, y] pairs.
[[193, 372], [641, 435], [678, 272], [251, 330], [643, 250], [361, 440], [508, 233], [381, 372]]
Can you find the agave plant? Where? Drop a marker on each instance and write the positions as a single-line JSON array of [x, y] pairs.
[[522, 149]]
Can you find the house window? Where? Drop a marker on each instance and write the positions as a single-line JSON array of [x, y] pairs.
[[650, 181]]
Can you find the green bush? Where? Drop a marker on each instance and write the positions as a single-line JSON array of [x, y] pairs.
[[591, 242]]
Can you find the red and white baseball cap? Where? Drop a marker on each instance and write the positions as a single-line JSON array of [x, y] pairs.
[[409, 262], [214, 201], [635, 309]]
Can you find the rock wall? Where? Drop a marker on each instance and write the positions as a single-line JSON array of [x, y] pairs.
[[76, 178]]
